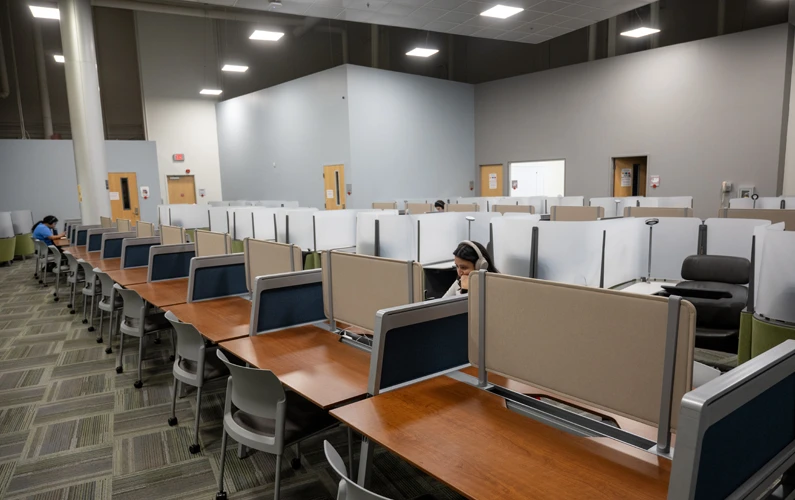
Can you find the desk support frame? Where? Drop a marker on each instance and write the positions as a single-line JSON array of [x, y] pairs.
[[483, 378], [332, 321], [669, 368]]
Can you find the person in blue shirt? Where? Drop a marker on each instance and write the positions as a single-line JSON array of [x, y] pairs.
[[44, 230]]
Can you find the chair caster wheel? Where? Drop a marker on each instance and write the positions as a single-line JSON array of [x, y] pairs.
[[108, 350], [91, 329], [56, 299], [85, 321], [72, 311], [295, 463], [172, 421], [138, 384], [194, 449], [171, 358], [157, 341], [119, 369], [54, 294], [99, 340], [221, 495]]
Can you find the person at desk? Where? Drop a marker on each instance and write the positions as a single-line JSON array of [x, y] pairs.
[[469, 256], [439, 206], [44, 230]]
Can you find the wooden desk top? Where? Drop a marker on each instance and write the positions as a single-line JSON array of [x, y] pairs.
[[127, 277], [218, 319], [309, 360], [163, 293], [63, 242], [468, 439], [105, 264]]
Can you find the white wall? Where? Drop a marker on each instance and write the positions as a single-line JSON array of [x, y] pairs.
[[704, 112], [177, 59]]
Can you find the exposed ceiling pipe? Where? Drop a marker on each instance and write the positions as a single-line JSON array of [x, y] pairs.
[[5, 90]]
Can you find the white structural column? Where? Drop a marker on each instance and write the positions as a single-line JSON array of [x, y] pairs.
[[41, 68], [85, 108]]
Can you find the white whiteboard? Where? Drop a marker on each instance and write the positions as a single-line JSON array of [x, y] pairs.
[[674, 239], [334, 229], [397, 237], [775, 294], [512, 242], [219, 221], [570, 252], [731, 237]]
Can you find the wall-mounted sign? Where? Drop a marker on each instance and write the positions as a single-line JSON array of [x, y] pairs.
[[145, 192], [114, 196], [492, 181], [202, 192], [626, 177], [654, 180], [515, 184], [178, 157]]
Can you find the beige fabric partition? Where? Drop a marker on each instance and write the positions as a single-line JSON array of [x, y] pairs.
[[522, 209], [145, 229], [211, 243], [390, 205], [599, 347], [419, 208], [172, 235], [773, 215], [123, 225], [105, 222], [566, 213], [268, 257], [657, 212], [419, 282], [461, 207], [362, 285]]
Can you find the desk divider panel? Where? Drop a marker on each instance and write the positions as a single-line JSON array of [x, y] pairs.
[[419, 208], [461, 207], [112, 243], [418, 341], [210, 243], [241, 223], [575, 213], [218, 218], [300, 229], [334, 229], [286, 300], [123, 225], [216, 276], [760, 234], [144, 229], [626, 252], [599, 347], [786, 216], [188, 216], [646, 212], [612, 208], [769, 203], [81, 234], [744, 203], [666, 202], [512, 238], [570, 252], [268, 257], [105, 222], [94, 238], [438, 235], [365, 230], [168, 262], [172, 235], [135, 251], [479, 229], [522, 209], [673, 240], [264, 224], [732, 237], [775, 292], [355, 287], [163, 217], [281, 221], [397, 237], [387, 205]]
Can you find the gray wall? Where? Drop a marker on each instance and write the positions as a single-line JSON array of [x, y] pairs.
[[411, 136], [39, 175], [704, 112]]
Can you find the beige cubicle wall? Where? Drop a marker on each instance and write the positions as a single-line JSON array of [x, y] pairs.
[[419, 208], [773, 215], [145, 229], [361, 285], [210, 243], [461, 207], [123, 225], [567, 213], [389, 205], [172, 235], [105, 222], [601, 348], [520, 209], [267, 257], [657, 212]]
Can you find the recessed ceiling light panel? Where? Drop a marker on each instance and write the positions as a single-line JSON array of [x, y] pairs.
[[421, 52], [639, 32], [270, 36], [44, 12], [58, 58], [501, 11], [211, 92], [234, 68]]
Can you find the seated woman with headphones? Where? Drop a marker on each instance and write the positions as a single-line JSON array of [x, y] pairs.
[[470, 256]]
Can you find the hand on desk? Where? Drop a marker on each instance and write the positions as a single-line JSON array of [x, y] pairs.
[[464, 281]]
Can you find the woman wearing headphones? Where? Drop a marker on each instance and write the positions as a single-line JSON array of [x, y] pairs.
[[470, 256]]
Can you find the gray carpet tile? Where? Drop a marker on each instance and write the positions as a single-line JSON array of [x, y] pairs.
[[72, 428]]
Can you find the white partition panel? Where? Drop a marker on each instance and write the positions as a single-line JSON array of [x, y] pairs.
[[648, 202], [397, 237], [769, 202], [760, 233], [571, 201], [731, 236], [674, 239], [189, 216], [626, 250], [439, 235], [162, 213], [281, 221], [265, 224], [629, 201], [675, 201], [6, 226], [276, 204], [300, 229], [241, 223], [478, 229], [334, 229], [789, 202], [741, 203], [775, 294], [238, 203], [365, 230], [219, 220], [570, 252], [22, 220], [609, 204], [512, 241], [484, 203], [218, 203]]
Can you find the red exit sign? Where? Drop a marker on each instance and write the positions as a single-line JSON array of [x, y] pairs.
[[179, 157]]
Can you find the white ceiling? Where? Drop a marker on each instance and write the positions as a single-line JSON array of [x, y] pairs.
[[540, 21]]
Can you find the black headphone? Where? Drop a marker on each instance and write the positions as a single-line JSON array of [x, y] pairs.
[[482, 264]]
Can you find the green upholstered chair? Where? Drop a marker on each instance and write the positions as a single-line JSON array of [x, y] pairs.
[[312, 261], [7, 248], [24, 246], [758, 335], [237, 246]]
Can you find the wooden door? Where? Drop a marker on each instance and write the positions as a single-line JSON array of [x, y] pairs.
[[491, 180], [334, 186], [626, 175], [181, 189], [123, 188]]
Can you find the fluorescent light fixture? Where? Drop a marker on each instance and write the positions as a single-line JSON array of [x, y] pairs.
[[58, 58], [45, 12], [270, 36], [501, 11], [639, 32], [234, 68], [420, 52], [211, 91]]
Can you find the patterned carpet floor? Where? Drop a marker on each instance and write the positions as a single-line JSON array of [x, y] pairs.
[[71, 428]]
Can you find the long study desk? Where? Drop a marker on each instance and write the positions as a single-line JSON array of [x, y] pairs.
[[63, 242], [127, 277], [468, 439], [163, 293], [219, 319], [309, 360]]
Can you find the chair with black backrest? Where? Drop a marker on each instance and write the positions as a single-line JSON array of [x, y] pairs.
[[347, 489], [716, 286], [260, 414]]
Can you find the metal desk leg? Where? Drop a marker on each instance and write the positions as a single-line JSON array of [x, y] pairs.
[[365, 462]]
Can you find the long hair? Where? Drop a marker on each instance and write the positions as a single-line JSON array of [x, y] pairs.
[[50, 219], [466, 252]]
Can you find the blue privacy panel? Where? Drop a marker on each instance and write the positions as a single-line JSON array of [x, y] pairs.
[[95, 243], [112, 249], [211, 282], [414, 351], [738, 445], [81, 237], [137, 256], [167, 266], [285, 307]]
